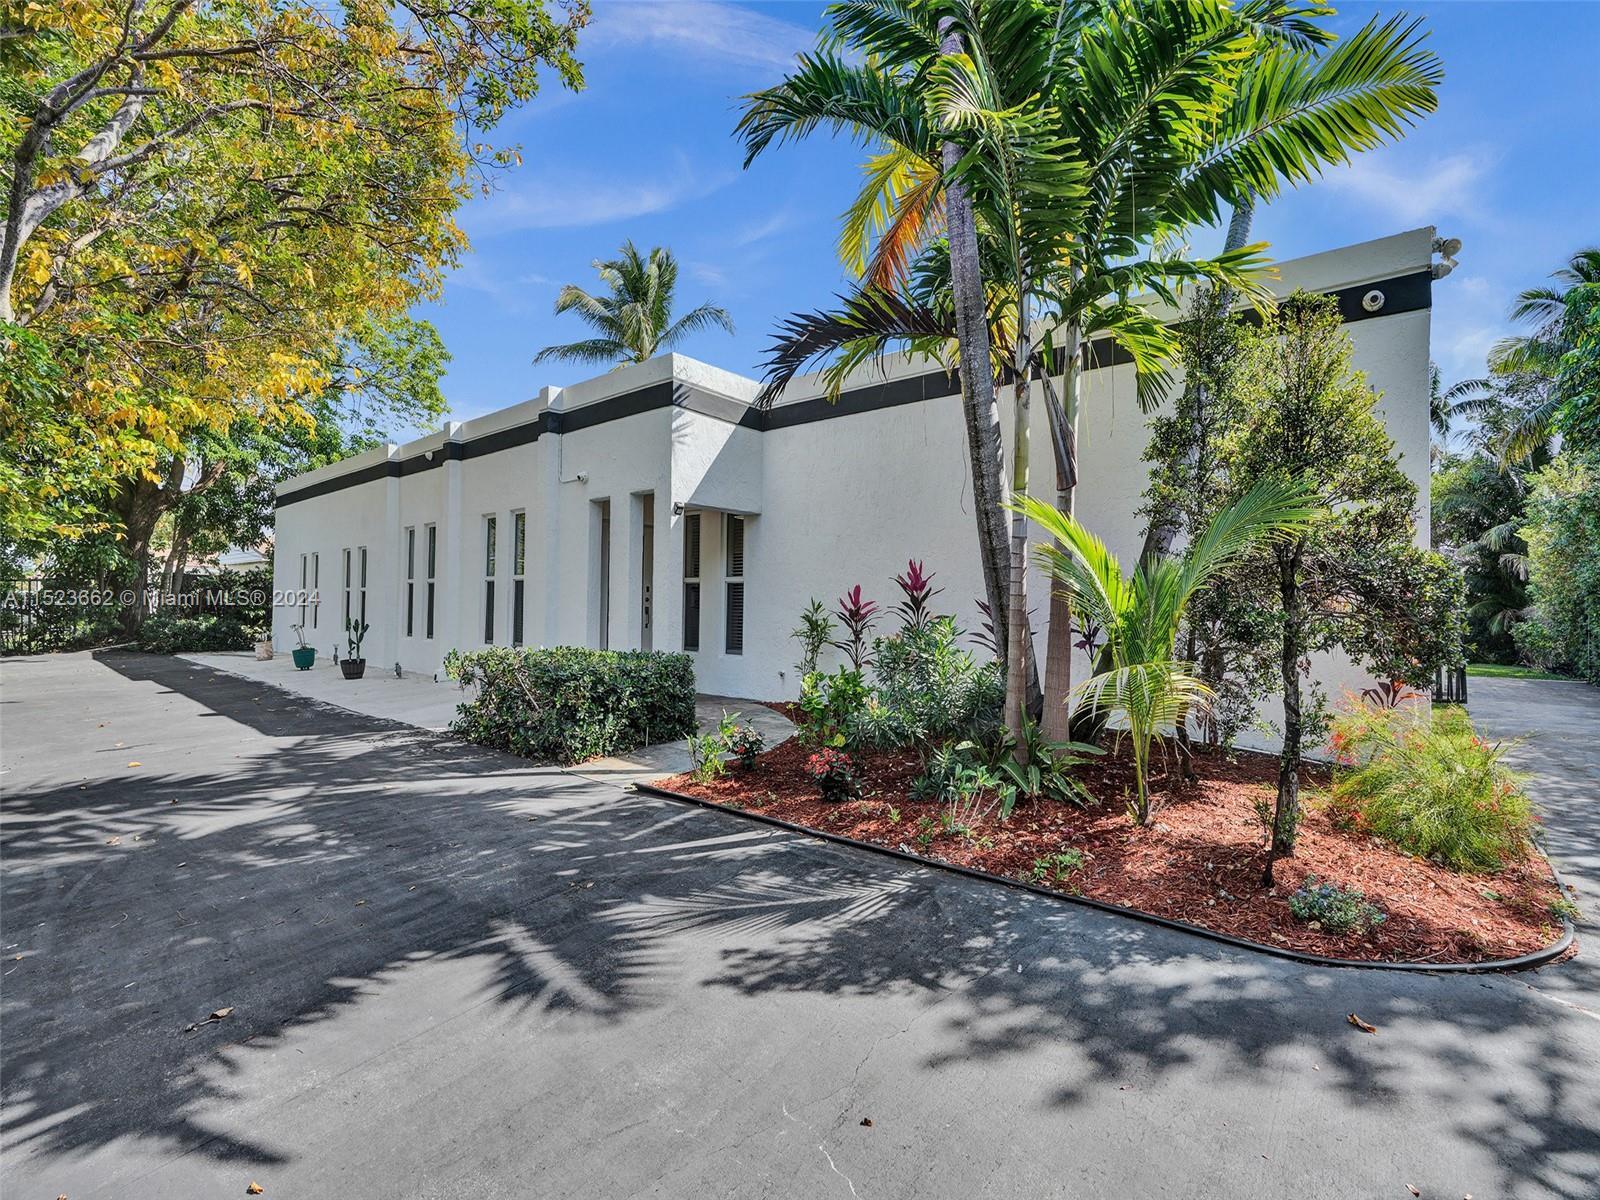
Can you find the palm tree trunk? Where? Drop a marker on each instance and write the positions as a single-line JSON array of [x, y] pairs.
[[1055, 724], [979, 403], [1019, 637]]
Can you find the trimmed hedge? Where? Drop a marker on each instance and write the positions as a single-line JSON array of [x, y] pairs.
[[193, 635], [568, 704]]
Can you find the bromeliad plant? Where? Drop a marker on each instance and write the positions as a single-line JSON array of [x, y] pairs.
[[1144, 685]]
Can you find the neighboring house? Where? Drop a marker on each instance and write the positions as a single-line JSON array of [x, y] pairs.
[[244, 558], [653, 507]]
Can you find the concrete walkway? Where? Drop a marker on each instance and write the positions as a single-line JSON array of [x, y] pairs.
[[430, 704], [1556, 725], [448, 973]]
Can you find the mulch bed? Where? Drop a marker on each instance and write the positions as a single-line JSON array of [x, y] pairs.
[[1200, 860]]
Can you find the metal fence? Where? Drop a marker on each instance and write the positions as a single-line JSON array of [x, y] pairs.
[[39, 613], [1450, 685]]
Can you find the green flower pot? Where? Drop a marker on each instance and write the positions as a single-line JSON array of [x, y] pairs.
[[303, 657]]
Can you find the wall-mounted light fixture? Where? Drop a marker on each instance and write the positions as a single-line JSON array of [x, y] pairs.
[[1446, 249]]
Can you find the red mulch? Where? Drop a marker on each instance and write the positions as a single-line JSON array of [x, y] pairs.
[[1200, 859]]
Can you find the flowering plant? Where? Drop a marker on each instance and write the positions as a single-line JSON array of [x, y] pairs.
[[835, 774], [745, 743]]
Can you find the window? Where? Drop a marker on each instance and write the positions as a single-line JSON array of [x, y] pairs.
[[305, 583], [519, 564], [348, 576], [411, 581], [733, 580], [316, 584], [361, 608], [490, 525], [691, 582], [433, 562]]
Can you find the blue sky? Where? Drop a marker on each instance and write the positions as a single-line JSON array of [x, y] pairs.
[[1510, 164]]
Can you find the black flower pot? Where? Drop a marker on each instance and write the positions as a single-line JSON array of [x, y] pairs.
[[353, 668]]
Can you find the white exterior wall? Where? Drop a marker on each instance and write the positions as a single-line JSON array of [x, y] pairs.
[[829, 503]]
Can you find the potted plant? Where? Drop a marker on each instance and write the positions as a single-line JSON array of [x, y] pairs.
[[352, 664], [302, 654]]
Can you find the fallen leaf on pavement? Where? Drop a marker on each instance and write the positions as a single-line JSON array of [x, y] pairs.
[[1413, 1189], [867, 1121], [221, 1014], [116, 841], [1360, 1024], [255, 1189], [136, 764]]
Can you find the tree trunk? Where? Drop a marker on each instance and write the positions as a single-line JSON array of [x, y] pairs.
[[139, 504], [1055, 724], [1286, 813], [979, 403]]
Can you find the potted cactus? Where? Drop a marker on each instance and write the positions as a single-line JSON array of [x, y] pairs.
[[353, 664], [302, 654]]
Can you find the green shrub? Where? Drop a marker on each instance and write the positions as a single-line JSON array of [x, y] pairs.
[[936, 689], [709, 753], [829, 705], [194, 635], [1431, 785], [568, 704], [1336, 909]]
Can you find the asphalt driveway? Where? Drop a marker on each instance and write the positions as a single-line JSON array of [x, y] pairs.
[[451, 974]]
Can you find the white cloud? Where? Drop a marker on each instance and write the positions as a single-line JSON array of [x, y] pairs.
[[576, 199], [760, 231], [722, 33], [1416, 194]]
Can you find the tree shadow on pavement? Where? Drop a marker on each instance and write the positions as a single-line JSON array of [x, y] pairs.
[[291, 875]]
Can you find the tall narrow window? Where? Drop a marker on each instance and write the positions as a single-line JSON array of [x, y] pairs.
[[490, 527], [433, 562], [349, 575], [305, 584], [411, 581], [361, 584], [604, 642], [316, 586], [691, 582], [733, 579], [519, 565]]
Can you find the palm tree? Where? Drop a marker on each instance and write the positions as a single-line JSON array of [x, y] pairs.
[[1143, 683], [1090, 135], [1524, 371], [634, 321]]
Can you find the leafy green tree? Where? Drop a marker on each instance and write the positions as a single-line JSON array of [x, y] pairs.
[[1478, 510], [1563, 537], [634, 319], [1144, 682], [1550, 375], [1083, 151], [1354, 579], [203, 201]]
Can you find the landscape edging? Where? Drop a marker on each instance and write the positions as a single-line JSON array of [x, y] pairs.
[[1524, 962]]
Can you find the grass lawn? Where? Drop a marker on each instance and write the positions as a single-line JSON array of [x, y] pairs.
[[1500, 671]]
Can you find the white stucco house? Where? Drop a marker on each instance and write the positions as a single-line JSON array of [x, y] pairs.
[[654, 506]]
